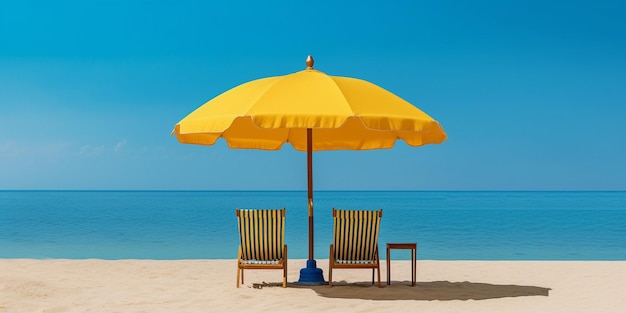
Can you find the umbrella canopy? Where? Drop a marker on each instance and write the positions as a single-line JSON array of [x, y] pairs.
[[345, 114], [311, 111]]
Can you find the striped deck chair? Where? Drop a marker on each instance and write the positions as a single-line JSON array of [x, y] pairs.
[[355, 241], [262, 246]]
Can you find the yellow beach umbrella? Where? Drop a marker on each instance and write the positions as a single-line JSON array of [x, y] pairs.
[[311, 111]]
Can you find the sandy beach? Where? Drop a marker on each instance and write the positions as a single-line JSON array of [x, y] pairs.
[[209, 286]]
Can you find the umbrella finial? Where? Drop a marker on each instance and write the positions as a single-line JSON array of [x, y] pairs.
[[309, 62]]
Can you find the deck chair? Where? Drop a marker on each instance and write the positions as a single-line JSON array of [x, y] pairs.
[[355, 241], [262, 245]]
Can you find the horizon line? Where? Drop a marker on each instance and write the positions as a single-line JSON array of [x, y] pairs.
[[322, 190]]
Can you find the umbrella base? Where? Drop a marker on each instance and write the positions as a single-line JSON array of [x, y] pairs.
[[311, 275]]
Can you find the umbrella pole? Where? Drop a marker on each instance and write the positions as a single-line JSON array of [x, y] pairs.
[[310, 275], [309, 157]]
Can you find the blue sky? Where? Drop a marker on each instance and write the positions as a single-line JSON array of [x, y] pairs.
[[532, 94]]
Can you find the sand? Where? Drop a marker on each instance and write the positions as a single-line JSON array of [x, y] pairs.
[[209, 286]]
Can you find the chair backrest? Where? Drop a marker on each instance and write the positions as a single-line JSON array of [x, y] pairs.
[[355, 235], [262, 234]]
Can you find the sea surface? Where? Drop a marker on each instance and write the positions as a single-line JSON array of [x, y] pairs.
[[202, 224]]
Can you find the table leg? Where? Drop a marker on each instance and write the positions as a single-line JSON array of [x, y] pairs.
[[413, 266]]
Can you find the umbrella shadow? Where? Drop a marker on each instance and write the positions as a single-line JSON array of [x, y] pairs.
[[425, 291], [428, 291]]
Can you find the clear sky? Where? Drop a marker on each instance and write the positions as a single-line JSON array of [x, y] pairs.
[[532, 94]]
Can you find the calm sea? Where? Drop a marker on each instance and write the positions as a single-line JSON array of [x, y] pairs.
[[202, 224]]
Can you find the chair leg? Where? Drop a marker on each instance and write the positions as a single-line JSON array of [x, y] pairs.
[[377, 267], [285, 268], [330, 276], [239, 262], [331, 262]]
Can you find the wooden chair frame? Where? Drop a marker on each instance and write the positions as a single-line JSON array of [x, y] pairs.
[[264, 260], [374, 264]]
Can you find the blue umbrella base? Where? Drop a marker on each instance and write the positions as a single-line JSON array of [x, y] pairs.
[[311, 275]]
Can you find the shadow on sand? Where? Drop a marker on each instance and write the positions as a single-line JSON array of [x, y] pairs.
[[436, 290]]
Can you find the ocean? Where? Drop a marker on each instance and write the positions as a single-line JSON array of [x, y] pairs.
[[446, 225]]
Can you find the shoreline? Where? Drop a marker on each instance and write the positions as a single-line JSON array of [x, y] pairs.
[[65, 285]]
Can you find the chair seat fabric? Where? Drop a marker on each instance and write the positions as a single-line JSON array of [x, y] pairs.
[[355, 262], [261, 262]]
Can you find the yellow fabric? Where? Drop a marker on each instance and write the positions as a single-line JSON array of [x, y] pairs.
[[355, 235], [262, 234], [344, 113]]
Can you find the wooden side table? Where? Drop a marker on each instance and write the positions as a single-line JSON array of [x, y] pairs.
[[413, 247]]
